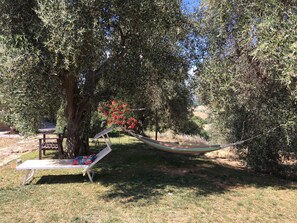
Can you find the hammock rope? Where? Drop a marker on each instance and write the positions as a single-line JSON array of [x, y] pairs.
[[251, 138], [191, 149]]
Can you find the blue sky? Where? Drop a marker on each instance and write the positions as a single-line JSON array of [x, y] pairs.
[[189, 5]]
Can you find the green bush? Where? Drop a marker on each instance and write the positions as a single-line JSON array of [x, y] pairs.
[[192, 126]]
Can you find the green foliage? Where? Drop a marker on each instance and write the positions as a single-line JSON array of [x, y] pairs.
[[95, 124], [192, 127], [79, 51], [248, 75], [61, 122], [153, 70], [28, 93]]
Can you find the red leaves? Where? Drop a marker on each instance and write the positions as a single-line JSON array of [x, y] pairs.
[[117, 113]]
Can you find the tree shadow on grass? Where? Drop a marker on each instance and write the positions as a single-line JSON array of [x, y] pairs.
[[136, 172], [62, 179]]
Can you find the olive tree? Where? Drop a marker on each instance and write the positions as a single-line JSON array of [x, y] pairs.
[[248, 74], [57, 52]]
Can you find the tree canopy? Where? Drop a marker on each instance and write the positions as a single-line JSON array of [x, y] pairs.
[[248, 74], [77, 52], [69, 55]]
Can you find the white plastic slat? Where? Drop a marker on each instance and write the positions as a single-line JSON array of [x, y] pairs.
[[48, 164]]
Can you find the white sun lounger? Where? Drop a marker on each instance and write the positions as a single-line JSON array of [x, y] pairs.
[[32, 165]]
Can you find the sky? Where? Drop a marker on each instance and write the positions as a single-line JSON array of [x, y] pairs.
[[189, 5]]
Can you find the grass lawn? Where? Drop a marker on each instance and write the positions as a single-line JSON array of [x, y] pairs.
[[137, 184]]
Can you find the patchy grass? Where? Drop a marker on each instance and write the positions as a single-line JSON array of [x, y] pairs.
[[138, 184]]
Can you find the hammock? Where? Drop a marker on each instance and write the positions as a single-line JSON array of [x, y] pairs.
[[191, 149], [176, 148]]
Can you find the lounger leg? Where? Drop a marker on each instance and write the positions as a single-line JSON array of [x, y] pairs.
[[28, 177], [90, 176]]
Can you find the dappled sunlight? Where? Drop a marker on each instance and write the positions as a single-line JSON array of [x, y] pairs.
[[136, 172], [135, 179]]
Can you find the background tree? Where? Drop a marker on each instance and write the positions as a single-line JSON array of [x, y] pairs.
[[248, 74], [72, 52]]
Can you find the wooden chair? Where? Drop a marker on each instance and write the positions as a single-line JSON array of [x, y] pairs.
[[49, 143]]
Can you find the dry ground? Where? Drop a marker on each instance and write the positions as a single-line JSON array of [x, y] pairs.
[[13, 147]]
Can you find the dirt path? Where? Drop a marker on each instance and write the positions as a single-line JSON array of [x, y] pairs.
[[13, 146]]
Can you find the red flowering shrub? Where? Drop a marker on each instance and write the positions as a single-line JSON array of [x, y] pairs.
[[117, 113]]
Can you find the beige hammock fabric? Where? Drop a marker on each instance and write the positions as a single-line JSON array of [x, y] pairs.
[[176, 148]]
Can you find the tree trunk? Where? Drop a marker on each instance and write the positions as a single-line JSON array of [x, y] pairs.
[[77, 112], [77, 139], [156, 125]]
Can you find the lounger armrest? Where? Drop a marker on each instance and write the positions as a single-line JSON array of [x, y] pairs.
[[104, 132], [99, 156]]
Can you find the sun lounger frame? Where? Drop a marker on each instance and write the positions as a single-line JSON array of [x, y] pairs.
[[31, 166]]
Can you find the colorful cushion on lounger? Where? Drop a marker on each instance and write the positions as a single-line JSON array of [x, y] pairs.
[[84, 160]]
